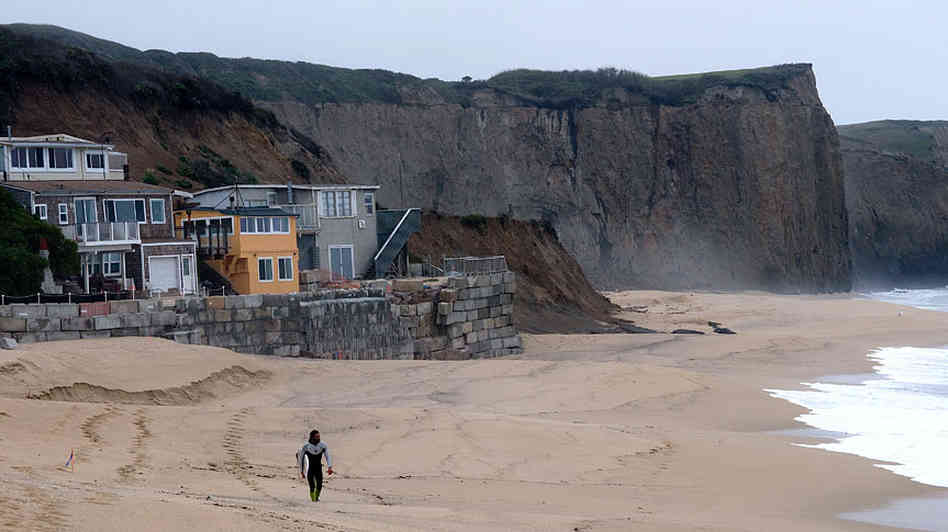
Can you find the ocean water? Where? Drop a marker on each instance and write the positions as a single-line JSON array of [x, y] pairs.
[[929, 299], [897, 416]]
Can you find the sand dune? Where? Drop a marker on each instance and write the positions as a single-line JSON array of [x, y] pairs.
[[601, 432]]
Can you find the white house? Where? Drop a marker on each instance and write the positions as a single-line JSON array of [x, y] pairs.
[[59, 157]]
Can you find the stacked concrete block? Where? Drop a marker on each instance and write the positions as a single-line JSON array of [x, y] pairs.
[[475, 314]]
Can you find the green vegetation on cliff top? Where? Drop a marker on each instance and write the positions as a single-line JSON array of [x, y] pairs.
[[312, 84], [914, 138]]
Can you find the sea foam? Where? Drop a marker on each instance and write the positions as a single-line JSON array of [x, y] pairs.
[[899, 417]]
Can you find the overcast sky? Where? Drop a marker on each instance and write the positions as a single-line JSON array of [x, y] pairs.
[[873, 60]]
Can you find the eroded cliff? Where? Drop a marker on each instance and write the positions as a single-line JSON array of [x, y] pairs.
[[743, 188]]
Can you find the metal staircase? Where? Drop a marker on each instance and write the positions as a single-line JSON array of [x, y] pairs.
[[395, 227]]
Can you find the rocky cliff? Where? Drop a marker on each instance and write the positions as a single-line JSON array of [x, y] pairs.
[[743, 188], [897, 197], [720, 180]]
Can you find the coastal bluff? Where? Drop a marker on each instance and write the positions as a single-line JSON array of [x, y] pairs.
[[737, 184]]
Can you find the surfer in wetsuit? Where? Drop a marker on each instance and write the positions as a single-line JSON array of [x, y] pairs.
[[312, 453]]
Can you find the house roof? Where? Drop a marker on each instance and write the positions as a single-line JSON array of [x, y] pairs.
[[56, 139], [255, 211], [79, 187], [280, 186]]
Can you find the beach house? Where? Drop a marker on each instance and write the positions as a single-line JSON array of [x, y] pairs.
[[253, 248], [59, 157], [338, 226], [123, 229]]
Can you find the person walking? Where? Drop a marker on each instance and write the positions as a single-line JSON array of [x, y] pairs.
[[312, 453]]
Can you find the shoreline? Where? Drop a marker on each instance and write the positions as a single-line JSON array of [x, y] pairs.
[[895, 325]]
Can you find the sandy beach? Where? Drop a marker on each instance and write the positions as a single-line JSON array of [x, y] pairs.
[[650, 432]]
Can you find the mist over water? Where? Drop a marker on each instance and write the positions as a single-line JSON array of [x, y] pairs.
[[898, 415]]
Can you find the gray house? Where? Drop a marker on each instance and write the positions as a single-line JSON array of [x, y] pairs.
[[338, 225]]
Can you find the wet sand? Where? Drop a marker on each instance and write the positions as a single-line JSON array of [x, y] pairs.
[[655, 432]]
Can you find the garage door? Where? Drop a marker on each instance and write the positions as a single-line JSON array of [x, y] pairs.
[[163, 273]]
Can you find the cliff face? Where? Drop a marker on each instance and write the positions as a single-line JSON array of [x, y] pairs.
[[741, 189], [897, 197]]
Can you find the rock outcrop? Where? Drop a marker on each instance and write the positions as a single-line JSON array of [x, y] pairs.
[[897, 197], [741, 189]]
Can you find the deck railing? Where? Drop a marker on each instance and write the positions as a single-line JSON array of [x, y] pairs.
[[103, 233], [474, 265]]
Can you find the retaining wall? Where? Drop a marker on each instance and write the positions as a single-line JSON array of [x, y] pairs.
[[455, 318], [354, 324]]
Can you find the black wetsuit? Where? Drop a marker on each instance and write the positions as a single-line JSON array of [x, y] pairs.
[[315, 474], [314, 454]]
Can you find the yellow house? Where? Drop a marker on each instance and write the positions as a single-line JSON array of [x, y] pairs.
[[253, 247]]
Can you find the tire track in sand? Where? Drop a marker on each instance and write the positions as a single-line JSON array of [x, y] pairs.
[[236, 464], [90, 426], [137, 466]]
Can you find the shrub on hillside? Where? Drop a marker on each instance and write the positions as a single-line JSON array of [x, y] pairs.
[[478, 222]]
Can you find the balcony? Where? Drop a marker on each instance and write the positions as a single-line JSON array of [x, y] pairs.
[[306, 218], [101, 234]]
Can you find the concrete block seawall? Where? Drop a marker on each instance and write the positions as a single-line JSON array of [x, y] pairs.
[[350, 324], [448, 319]]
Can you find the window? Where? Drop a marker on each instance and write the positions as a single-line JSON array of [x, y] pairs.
[[40, 210], [264, 224], [285, 265], [63, 214], [256, 203], [112, 263], [368, 200], [186, 266], [60, 158], [271, 199], [157, 210], [226, 224], [265, 269], [337, 203], [95, 160], [85, 211], [125, 210], [27, 158]]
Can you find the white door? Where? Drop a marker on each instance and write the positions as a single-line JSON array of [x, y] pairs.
[[187, 275], [163, 273]]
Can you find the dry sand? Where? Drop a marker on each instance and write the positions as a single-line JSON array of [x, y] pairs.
[[605, 432]]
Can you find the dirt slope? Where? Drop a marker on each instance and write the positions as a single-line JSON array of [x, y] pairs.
[[552, 292]]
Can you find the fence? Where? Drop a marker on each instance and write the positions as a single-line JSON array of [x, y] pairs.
[[66, 298], [474, 265]]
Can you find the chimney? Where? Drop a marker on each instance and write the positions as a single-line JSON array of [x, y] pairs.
[[10, 133], [289, 192]]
